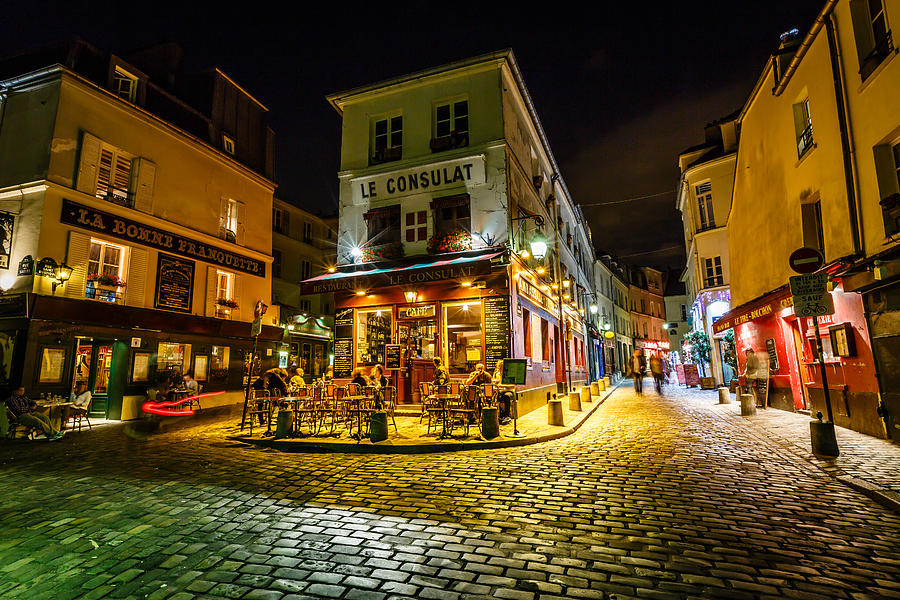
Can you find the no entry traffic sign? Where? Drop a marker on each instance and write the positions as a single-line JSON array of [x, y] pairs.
[[806, 260]]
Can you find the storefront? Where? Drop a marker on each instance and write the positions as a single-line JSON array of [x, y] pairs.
[[309, 345], [121, 351], [785, 348]]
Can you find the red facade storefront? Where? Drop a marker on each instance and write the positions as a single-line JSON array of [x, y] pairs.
[[787, 345]]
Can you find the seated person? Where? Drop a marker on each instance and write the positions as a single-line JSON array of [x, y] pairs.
[[505, 396], [359, 379], [190, 384], [81, 402], [297, 380], [377, 378], [441, 374], [478, 376], [23, 409]]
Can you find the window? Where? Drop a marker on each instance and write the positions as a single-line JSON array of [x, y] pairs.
[[683, 312], [803, 127], [276, 263], [307, 232], [171, 357], [416, 226], [526, 331], [373, 331], [218, 361], [281, 221], [705, 205], [224, 293], [545, 340], [451, 214], [304, 270], [451, 126], [713, 272], [106, 268], [873, 36], [383, 225], [462, 331], [305, 305], [125, 84], [387, 139], [229, 220], [228, 144], [811, 220], [114, 175]]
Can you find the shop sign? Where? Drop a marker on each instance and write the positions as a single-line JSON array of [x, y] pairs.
[[398, 277], [609, 334], [415, 312], [437, 176], [26, 266], [653, 344], [392, 353], [46, 267], [133, 231], [7, 220], [811, 297], [174, 283], [739, 317], [533, 293]]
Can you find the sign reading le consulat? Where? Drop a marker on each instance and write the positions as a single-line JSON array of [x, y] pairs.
[[139, 233], [393, 278], [416, 180]]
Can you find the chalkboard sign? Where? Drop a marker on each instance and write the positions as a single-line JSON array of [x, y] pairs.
[[691, 375], [773, 355], [762, 392], [343, 358], [174, 283], [343, 324], [392, 354], [496, 330]]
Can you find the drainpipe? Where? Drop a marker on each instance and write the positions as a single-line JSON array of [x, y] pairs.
[[850, 178]]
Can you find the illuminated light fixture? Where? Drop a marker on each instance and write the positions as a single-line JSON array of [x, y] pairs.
[[377, 313], [594, 309], [566, 283], [61, 274], [290, 327], [331, 269], [421, 297], [361, 293], [565, 296], [524, 253], [541, 270], [555, 286], [411, 295], [6, 282], [356, 252], [539, 246], [607, 326], [665, 325], [465, 307], [466, 284], [546, 288]]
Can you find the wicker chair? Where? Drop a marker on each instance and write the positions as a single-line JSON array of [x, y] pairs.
[[466, 407], [390, 403], [14, 425], [261, 406]]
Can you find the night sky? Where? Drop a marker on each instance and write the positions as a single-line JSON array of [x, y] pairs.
[[620, 89]]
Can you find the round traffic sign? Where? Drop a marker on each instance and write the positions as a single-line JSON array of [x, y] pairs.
[[806, 260]]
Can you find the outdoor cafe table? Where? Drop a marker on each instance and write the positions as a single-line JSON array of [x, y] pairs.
[[443, 399], [54, 412], [356, 400]]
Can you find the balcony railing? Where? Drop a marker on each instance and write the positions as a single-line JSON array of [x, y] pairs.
[[448, 142], [119, 196], [383, 155], [882, 50], [805, 141]]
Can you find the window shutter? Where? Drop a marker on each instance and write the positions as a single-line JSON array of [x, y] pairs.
[[243, 303], [223, 213], [77, 257], [87, 167], [239, 234], [862, 29], [210, 291], [136, 283], [800, 119], [143, 180]]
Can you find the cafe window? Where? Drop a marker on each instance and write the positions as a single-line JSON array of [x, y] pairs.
[[125, 84], [415, 227], [218, 361], [172, 357], [451, 214], [224, 293], [373, 332], [106, 267], [463, 336]]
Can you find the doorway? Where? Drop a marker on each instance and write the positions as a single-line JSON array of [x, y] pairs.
[[801, 367], [93, 366]]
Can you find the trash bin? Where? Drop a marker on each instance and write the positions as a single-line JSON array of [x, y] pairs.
[[490, 422], [378, 430], [284, 427]]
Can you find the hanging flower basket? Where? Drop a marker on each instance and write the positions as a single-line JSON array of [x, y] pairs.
[[452, 241], [106, 280], [227, 302], [382, 252]]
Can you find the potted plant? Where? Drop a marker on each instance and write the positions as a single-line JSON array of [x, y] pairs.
[[382, 252], [457, 240], [106, 281]]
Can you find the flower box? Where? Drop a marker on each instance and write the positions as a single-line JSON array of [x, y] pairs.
[[227, 302], [108, 281], [382, 252], [457, 240]]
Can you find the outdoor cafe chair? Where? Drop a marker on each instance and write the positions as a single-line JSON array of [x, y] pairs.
[[332, 408], [81, 414], [487, 394], [14, 425], [463, 407], [260, 405], [424, 392], [434, 407], [307, 410], [390, 403], [454, 387]]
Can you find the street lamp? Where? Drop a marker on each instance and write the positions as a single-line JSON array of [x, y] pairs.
[[539, 246], [61, 274], [594, 309], [411, 295]]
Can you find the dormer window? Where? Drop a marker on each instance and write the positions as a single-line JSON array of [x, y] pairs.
[[228, 144], [125, 84]]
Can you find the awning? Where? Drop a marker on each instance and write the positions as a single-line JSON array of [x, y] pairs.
[[763, 306], [425, 271]]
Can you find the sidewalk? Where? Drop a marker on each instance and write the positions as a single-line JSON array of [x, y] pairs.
[[867, 464]]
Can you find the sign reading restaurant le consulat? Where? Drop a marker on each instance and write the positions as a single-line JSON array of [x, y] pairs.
[[427, 178], [115, 226], [353, 282]]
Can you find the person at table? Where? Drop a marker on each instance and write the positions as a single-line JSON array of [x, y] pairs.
[[297, 380], [478, 376], [377, 379], [441, 374], [24, 409], [80, 402], [505, 395], [190, 384], [359, 379]]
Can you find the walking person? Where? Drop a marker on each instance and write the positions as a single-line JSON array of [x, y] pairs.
[[658, 372], [635, 370]]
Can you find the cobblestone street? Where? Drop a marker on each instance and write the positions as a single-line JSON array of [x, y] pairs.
[[652, 498]]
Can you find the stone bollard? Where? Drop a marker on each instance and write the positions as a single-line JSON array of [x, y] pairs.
[[595, 388], [748, 405], [606, 382], [378, 429], [602, 384], [585, 394], [724, 396], [824, 442], [285, 424], [555, 413], [575, 400], [490, 422]]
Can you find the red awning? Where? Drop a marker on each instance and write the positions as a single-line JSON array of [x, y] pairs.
[[763, 306]]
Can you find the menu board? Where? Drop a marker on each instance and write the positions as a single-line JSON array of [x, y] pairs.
[[343, 357], [174, 283], [496, 330], [773, 354], [691, 375], [343, 324], [52, 361], [392, 353]]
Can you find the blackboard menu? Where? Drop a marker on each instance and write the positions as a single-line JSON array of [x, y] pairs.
[[174, 283], [343, 357], [773, 355], [343, 324], [392, 354], [496, 330]]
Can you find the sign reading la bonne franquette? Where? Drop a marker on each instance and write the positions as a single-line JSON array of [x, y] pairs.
[[115, 226], [428, 178]]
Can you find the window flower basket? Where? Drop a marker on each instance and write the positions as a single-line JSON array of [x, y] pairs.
[[227, 302], [457, 240], [382, 252], [106, 280]]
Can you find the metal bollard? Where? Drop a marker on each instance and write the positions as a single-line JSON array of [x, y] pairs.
[[595, 388], [555, 413], [748, 405], [724, 396], [585, 394], [574, 400]]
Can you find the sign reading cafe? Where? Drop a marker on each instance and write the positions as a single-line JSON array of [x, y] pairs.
[[115, 226], [464, 172]]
